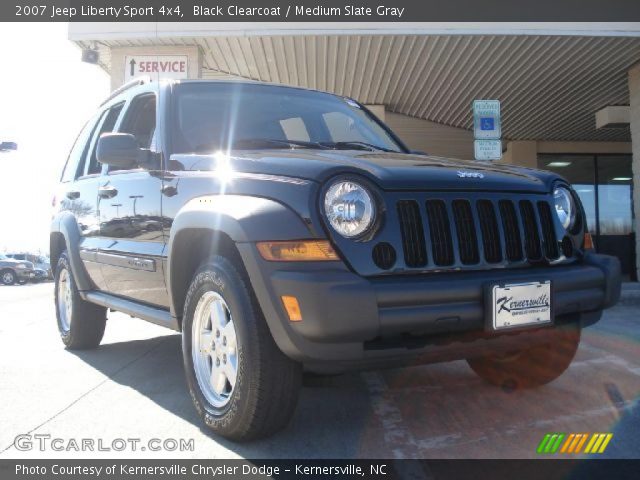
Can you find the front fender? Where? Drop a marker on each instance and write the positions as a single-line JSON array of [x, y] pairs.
[[242, 218]]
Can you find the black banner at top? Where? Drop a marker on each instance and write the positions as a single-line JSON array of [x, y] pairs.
[[320, 10]]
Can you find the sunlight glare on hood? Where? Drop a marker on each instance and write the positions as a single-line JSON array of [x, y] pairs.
[[224, 170]]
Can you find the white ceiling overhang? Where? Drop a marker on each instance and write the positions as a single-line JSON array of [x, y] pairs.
[[550, 83]]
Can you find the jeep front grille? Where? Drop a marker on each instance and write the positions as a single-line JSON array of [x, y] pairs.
[[490, 232], [548, 235], [513, 242], [413, 244], [531, 235], [439, 233], [467, 239]]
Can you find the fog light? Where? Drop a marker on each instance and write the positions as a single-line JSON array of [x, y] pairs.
[[292, 307], [298, 251]]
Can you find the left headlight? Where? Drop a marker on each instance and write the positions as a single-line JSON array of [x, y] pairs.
[[565, 207], [350, 208]]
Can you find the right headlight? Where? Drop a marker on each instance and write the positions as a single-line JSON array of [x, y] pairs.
[[350, 208], [565, 206]]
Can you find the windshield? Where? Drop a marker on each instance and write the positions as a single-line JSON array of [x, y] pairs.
[[221, 116]]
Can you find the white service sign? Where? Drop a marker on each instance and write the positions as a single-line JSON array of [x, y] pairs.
[[156, 66], [487, 149]]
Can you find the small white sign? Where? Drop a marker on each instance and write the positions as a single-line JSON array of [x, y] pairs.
[[156, 66], [487, 149], [486, 120]]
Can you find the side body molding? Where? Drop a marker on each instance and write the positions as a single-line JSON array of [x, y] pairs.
[[242, 218], [66, 224]]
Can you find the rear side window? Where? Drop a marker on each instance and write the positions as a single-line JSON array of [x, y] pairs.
[[79, 150]]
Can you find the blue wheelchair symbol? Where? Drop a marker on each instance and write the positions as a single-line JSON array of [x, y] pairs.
[[486, 123]]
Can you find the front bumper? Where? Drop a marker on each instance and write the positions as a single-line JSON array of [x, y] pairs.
[[25, 274], [351, 319]]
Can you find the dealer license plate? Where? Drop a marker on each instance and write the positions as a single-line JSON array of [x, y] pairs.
[[521, 305]]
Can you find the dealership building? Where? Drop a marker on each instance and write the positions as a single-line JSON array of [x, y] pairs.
[[569, 93]]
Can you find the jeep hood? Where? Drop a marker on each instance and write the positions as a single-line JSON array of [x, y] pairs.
[[389, 170]]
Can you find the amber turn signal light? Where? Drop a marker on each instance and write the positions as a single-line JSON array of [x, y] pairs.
[[588, 241], [297, 251], [292, 307]]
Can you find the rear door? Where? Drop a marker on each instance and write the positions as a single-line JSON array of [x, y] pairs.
[[132, 242], [79, 188]]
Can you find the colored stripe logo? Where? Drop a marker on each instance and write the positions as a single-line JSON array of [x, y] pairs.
[[574, 443]]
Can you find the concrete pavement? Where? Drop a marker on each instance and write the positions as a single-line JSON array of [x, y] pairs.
[[133, 387]]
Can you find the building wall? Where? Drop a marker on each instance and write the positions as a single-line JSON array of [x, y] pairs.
[[430, 137]]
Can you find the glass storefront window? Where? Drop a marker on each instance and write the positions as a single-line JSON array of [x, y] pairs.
[[615, 195], [580, 172], [605, 186]]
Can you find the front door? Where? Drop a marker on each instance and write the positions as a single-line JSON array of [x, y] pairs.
[[131, 244]]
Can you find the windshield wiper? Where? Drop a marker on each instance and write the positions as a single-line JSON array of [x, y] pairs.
[[355, 145], [255, 143]]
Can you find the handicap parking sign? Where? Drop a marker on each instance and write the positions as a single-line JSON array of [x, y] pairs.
[[486, 119], [487, 123]]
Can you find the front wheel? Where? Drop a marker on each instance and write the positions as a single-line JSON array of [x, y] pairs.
[[531, 367], [242, 385], [80, 323], [8, 277]]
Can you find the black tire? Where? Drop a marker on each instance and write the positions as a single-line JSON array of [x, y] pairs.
[[267, 384], [8, 277], [532, 367], [86, 328]]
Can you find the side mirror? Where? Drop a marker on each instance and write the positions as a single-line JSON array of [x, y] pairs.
[[7, 146], [119, 150]]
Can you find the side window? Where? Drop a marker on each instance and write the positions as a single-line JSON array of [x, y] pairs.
[[75, 165], [140, 120], [107, 126]]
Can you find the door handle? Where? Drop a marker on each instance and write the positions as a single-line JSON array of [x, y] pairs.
[[73, 195], [169, 190], [107, 191]]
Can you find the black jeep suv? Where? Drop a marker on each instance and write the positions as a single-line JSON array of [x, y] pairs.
[[283, 229]]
